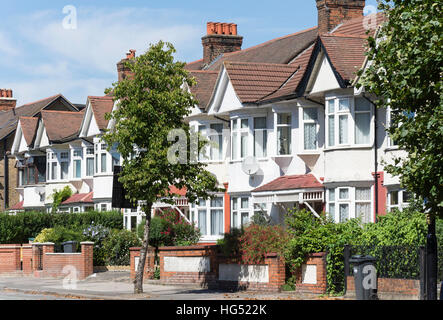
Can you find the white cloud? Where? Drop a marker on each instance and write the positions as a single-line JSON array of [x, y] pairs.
[[6, 46], [104, 36]]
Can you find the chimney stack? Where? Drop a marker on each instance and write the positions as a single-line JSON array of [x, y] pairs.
[[122, 70], [331, 13], [221, 38], [7, 102]]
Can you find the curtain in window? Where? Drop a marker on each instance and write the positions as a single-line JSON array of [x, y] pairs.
[[89, 167], [78, 168], [103, 162], [244, 218], [362, 128], [202, 222], [363, 211], [363, 194], [235, 146], [344, 194], [216, 222], [344, 212], [310, 136], [332, 211], [343, 129], [331, 130], [260, 137], [244, 145], [284, 140], [64, 170]]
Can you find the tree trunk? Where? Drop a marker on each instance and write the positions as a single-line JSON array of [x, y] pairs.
[[138, 282]]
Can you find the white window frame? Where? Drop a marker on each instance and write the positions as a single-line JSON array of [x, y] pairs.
[[237, 132], [277, 127], [208, 153], [238, 210], [265, 137], [401, 205], [89, 156], [351, 202], [207, 207], [74, 158], [55, 157], [351, 115], [302, 129]]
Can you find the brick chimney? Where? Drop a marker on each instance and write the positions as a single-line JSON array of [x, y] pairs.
[[7, 102], [122, 70], [220, 38], [331, 13]]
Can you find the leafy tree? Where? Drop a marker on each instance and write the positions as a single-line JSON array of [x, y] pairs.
[[60, 196], [406, 76], [152, 103]]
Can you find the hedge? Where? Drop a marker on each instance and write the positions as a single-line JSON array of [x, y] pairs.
[[19, 228]]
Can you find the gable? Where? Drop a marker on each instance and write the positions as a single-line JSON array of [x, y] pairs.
[[224, 99], [323, 77]]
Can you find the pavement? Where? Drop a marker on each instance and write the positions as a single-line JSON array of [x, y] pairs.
[[112, 285]]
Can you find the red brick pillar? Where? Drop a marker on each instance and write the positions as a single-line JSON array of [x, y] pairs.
[[87, 259], [277, 271], [9, 258], [149, 263], [27, 258]]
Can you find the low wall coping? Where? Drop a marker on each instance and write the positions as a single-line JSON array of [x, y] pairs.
[[63, 253], [139, 248], [87, 243], [318, 254], [197, 248], [10, 247], [43, 244]]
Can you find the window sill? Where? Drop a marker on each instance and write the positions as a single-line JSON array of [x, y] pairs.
[[309, 153], [393, 148], [349, 147]]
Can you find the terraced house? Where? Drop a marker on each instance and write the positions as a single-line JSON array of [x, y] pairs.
[[290, 129]]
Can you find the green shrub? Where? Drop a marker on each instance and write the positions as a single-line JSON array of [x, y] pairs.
[[97, 234], [229, 246], [18, 228], [170, 229], [58, 235], [116, 247], [257, 241]]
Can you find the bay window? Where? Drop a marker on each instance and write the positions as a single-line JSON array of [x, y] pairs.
[[344, 203], [284, 130], [348, 121], [32, 171]]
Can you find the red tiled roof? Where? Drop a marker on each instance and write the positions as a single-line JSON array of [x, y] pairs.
[[253, 81], [29, 127], [80, 198], [347, 53], [61, 125], [359, 26], [17, 206], [280, 50], [291, 86], [205, 86], [179, 192], [306, 181], [101, 106]]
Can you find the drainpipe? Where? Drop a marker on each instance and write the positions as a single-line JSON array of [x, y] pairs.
[[6, 175], [375, 158]]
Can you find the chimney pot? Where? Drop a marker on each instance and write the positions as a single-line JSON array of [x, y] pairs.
[[221, 38], [332, 13], [6, 100]]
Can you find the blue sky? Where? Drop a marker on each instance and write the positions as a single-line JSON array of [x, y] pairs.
[[40, 58]]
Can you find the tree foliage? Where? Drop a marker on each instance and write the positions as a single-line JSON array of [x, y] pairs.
[[152, 103], [405, 74]]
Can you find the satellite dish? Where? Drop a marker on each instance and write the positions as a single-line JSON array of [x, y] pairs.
[[250, 166]]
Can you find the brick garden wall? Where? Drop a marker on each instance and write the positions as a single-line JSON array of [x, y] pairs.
[[311, 278], [25, 259], [408, 288]]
